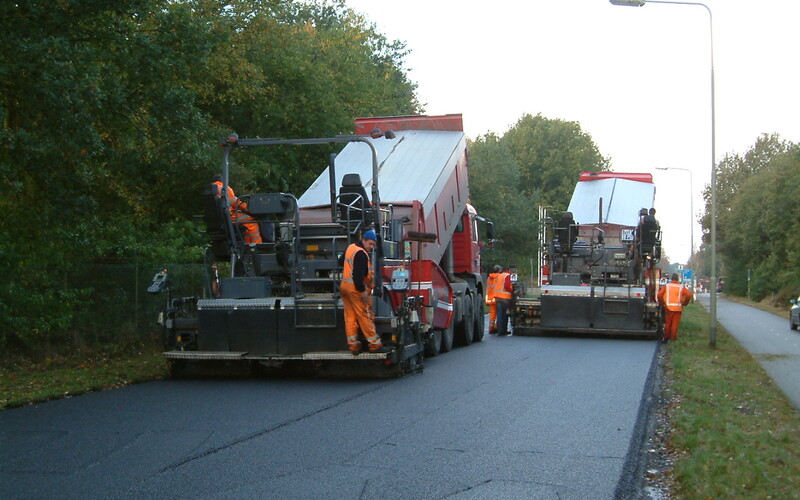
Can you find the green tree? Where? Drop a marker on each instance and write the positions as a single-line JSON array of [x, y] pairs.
[[316, 68], [757, 210], [111, 112], [760, 224], [495, 191], [92, 95], [551, 154], [536, 162]]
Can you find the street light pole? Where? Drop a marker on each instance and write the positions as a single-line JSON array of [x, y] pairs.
[[713, 310], [691, 208]]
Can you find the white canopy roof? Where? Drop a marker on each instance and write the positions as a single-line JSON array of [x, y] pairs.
[[622, 200], [414, 166]]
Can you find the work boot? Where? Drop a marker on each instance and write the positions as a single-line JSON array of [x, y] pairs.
[[378, 348], [355, 349]]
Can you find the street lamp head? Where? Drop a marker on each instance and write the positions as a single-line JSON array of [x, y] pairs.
[[628, 3]]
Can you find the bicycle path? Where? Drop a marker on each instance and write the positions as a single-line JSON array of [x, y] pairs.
[[767, 337]]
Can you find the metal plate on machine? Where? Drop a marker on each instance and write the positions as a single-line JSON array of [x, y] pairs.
[[204, 355], [344, 355], [238, 303], [627, 235], [611, 292], [309, 356]]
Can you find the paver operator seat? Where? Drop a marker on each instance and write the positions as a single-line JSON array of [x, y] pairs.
[[354, 204]]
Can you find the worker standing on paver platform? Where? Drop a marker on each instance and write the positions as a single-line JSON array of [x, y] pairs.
[[356, 290]]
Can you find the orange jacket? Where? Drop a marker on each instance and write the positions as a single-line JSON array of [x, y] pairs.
[[491, 283], [674, 296], [500, 290], [351, 271], [232, 199]]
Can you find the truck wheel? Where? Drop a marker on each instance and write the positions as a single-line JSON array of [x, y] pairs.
[[447, 338], [479, 318], [434, 344], [466, 326]]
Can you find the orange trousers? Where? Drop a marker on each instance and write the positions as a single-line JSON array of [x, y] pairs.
[[250, 228], [493, 317], [358, 314], [671, 321]]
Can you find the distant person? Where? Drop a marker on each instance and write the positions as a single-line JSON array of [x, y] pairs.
[[546, 270], [491, 283], [673, 297], [503, 291], [239, 213], [648, 231]]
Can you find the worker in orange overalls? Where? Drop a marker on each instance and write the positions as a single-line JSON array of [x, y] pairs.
[[502, 296], [239, 213], [356, 290], [491, 283], [673, 297]]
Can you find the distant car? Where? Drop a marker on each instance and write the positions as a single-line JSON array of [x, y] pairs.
[[794, 314]]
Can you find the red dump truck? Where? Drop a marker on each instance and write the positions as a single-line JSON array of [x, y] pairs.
[[276, 305]]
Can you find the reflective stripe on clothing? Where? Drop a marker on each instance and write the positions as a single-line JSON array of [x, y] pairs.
[[252, 234], [358, 315], [235, 204], [349, 259], [500, 291], [491, 283], [674, 296]]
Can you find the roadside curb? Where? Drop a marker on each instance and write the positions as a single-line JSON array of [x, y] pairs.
[[632, 480]]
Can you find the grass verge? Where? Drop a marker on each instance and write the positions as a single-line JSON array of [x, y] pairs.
[[26, 383], [734, 433]]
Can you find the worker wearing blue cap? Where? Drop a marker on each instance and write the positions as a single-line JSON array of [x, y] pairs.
[[356, 288]]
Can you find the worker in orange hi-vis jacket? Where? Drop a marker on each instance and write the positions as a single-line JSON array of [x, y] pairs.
[[503, 293], [491, 283], [356, 291], [673, 297], [238, 213]]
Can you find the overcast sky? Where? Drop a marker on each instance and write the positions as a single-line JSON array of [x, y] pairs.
[[637, 79]]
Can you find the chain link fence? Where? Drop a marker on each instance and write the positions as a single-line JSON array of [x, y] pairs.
[[118, 309]]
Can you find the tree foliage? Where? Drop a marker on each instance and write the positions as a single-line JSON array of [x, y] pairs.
[[551, 154], [758, 218], [536, 162], [111, 112]]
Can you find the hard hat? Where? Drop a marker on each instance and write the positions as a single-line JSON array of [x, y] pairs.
[[370, 235]]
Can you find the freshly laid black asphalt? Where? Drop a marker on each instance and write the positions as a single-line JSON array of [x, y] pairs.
[[510, 417]]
